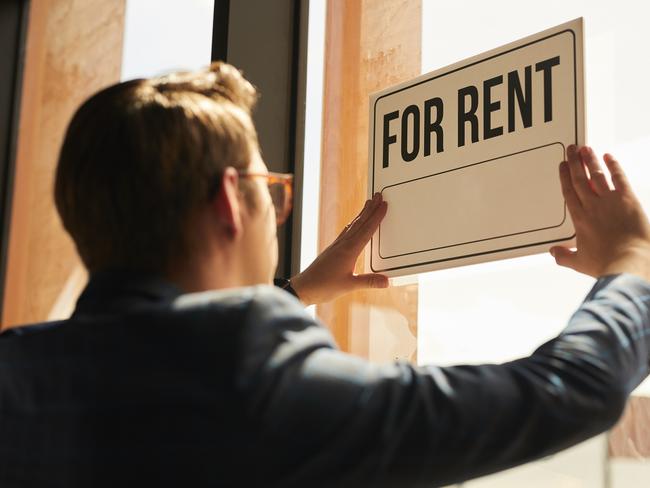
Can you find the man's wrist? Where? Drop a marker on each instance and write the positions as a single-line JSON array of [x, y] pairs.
[[286, 285], [301, 291], [635, 260]]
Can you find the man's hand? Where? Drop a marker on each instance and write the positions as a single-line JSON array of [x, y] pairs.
[[612, 231], [332, 272]]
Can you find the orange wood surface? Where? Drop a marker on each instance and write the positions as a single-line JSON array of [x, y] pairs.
[[631, 436], [73, 48], [369, 45]]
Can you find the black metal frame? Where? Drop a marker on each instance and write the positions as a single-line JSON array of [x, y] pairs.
[[220, 30], [267, 41], [13, 32]]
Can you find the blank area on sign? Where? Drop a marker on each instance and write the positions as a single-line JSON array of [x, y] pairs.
[[475, 204]]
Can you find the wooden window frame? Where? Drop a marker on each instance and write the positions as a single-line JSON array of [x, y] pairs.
[[13, 31]]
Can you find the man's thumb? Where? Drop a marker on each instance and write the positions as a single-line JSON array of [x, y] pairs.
[[371, 280], [564, 256]]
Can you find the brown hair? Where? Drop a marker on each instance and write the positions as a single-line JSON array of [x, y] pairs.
[[140, 157]]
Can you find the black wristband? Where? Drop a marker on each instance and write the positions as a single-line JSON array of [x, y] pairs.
[[285, 284]]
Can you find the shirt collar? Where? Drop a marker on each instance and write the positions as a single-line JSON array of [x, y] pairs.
[[118, 291]]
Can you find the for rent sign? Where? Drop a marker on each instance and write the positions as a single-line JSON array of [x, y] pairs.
[[467, 156]]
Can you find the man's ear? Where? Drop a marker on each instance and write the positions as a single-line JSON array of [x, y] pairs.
[[226, 204]]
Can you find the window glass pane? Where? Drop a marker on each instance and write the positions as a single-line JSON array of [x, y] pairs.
[[313, 116], [499, 311], [368, 46], [166, 35]]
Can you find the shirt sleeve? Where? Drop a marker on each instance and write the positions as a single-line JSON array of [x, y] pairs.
[[338, 419]]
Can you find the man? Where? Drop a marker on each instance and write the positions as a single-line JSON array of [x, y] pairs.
[[180, 366]]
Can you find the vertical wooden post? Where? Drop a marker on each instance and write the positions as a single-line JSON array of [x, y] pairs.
[[630, 438], [369, 45], [73, 49]]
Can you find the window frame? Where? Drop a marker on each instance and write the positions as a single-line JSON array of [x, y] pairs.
[[13, 32], [268, 42]]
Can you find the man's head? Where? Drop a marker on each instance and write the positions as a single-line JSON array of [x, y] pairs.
[[149, 175]]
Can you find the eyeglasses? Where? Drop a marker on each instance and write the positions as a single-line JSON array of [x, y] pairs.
[[281, 190]]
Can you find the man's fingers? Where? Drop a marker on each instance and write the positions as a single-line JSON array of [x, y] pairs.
[[368, 222], [372, 224], [569, 194], [359, 216], [368, 212], [360, 219], [370, 280], [597, 177], [618, 175], [578, 175], [564, 256]]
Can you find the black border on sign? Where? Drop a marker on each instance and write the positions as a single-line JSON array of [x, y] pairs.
[[476, 240], [575, 111]]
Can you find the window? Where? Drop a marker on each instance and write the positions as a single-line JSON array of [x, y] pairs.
[[161, 36], [497, 311]]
